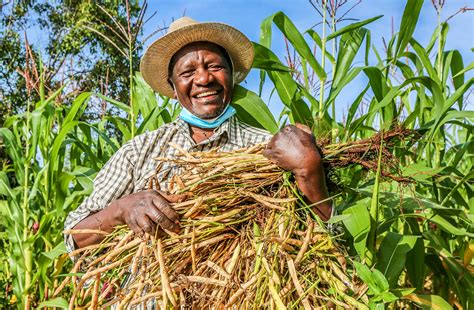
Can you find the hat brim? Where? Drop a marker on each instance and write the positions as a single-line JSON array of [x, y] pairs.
[[155, 61]]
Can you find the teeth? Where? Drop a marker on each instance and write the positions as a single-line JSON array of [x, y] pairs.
[[208, 93]]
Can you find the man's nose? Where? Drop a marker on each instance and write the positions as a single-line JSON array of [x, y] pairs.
[[203, 77]]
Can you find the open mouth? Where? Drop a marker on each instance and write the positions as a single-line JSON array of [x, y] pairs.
[[207, 94]]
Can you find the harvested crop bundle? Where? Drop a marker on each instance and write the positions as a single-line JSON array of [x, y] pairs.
[[248, 239]]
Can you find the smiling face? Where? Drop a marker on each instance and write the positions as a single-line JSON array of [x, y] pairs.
[[202, 79]]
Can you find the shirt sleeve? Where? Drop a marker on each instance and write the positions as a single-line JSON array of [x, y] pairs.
[[113, 181]]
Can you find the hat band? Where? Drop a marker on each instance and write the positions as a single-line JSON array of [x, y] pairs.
[[192, 119]]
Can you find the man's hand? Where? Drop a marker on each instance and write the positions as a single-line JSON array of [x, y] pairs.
[[294, 148], [145, 211]]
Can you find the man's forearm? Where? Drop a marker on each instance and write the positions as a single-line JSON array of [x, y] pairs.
[[104, 220], [313, 185]]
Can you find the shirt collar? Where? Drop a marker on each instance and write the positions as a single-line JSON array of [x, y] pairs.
[[230, 127]]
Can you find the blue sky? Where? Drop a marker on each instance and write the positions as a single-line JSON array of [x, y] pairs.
[[246, 15]]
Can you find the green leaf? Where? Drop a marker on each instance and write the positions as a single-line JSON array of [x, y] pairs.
[[358, 224], [408, 24], [56, 302], [287, 88], [252, 110], [116, 103], [434, 302], [352, 27], [338, 218], [415, 264], [419, 171], [349, 45], [364, 273], [380, 280], [400, 292], [58, 250], [296, 39], [77, 104], [448, 227], [317, 39], [392, 255]]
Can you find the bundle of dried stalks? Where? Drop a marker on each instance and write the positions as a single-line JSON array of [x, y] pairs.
[[248, 240]]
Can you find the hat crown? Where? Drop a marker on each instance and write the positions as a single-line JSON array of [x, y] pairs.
[[180, 23]]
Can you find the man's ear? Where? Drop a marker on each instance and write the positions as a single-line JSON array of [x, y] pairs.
[[175, 96]]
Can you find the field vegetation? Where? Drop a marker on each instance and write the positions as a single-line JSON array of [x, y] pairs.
[[411, 241]]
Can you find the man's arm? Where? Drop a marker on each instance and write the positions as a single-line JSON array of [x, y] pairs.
[[113, 203], [142, 212], [294, 149]]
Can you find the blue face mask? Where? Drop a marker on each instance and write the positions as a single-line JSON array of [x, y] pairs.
[[192, 119]]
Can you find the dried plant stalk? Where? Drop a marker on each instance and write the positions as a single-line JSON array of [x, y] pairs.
[[248, 240]]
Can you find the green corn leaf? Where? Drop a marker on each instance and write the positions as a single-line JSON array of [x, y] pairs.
[[58, 302], [448, 227], [425, 60], [36, 117], [269, 65], [392, 255], [354, 107], [408, 24], [317, 39], [297, 40], [457, 65], [352, 27], [358, 224], [469, 67], [252, 110], [349, 45], [79, 103], [116, 103], [149, 119], [415, 264], [434, 302], [58, 250], [287, 89]]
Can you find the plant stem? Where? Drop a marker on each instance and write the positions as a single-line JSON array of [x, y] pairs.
[[440, 62], [333, 29], [374, 209], [130, 64], [27, 255], [323, 60]]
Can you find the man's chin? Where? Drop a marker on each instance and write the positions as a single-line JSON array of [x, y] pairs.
[[211, 115]]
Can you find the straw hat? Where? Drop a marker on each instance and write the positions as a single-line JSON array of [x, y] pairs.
[[155, 61]]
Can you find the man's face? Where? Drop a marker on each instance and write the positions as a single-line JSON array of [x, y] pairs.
[[202, 79]]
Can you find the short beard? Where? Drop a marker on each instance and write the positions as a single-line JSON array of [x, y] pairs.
[[213, 115]]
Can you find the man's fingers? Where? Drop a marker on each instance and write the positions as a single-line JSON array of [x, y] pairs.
[[163, 206], [160, 218], [135, 228], [145, 224]]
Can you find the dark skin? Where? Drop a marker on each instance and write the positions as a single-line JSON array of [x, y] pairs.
[[294, 148], [202, 80]]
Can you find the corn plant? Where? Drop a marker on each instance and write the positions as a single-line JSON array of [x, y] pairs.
[[54, 158], [413, 236], [411, 243]]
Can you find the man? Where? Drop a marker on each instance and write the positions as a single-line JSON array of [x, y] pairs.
[[198, 64]]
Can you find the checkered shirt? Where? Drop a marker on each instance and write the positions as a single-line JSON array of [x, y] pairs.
[[133, 168]]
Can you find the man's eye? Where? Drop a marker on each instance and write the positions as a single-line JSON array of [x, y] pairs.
[[216, 67], [186, 73]]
